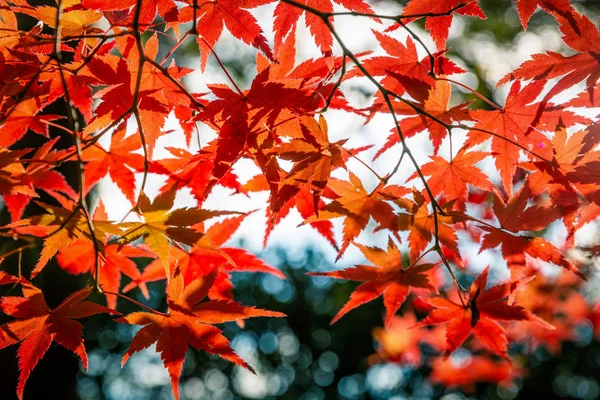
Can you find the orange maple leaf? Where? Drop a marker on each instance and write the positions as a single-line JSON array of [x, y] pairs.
[[422, 224], [38, 175], [314, 156], [514, 123], [389, 279], [357, 206]]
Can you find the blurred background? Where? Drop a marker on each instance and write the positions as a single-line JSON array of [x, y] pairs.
[[302, 356]]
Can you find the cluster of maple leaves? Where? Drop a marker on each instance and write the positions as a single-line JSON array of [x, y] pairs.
[[100, 59]]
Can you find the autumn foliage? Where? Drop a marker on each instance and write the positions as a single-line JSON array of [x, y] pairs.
[[100, 59]]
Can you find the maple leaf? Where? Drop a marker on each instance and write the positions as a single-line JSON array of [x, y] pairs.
[[37, 326], [5, 278], [189, 323], [514, 123], [78, 258], [402, 72], [402, 60], [73, 21], [555, 299], [207, 256], [357, 206], [160, 224], [314, 158], [480, 316], [193, 171], [400, 342], [114, 161], [435, 103], [59, 228], [286, 17], [38, 176], [466, 373], [439, 25], [120, 74], [26, 115], [526, 8], [514, 217], [580, 34], [564, 177], [451, 178], [313, 75], [389, 279], [9, 164], [421, 224], [243, 120], [212, 16]]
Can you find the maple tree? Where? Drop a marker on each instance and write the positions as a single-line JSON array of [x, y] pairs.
[[100, 59]]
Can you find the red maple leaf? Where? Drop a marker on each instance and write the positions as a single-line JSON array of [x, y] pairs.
[[468, 372], [565, 179], [193, 171], [118, 161], [157, 95], [241, 117], [38, 175], [514, 216], [314, 158], [479, 315], [233, 14], [439, 25], [25, 115], [580, 34], [526, 8], [401, 341], [189, 323], [286, 17], [37, 326], [513, 126]]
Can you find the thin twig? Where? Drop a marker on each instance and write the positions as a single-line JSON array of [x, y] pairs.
[[224, 69], [137, 303]]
